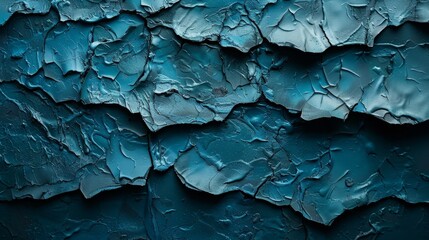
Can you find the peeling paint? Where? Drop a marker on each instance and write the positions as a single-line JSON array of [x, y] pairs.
[[247, 119]]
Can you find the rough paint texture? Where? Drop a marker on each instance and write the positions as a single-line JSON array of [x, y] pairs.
[[254, 119], [320, 168], [48, 149], [157, 212], [386, 81], [307, 25]]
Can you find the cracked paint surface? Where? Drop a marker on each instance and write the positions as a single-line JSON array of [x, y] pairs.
[[320, 169], [307, 25], [48, 149], [183, 83], [247, 119], [157, 212], [386, 81]]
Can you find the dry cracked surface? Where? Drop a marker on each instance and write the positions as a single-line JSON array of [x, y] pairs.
[[303, 110]]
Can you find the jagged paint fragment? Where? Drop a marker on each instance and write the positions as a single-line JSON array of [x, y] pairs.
[[386, 81], [47, 149], [184, 83], [167, 210], [9, 7], [307, 25], [319, 168], [72, 72], [21, 45]]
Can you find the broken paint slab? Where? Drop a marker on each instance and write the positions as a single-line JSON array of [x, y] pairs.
[[386, 81], [48, 149], [119, 56], [120, 61], [93, 11], [87, 10], [309, 25], [67, 46], [21, 45], [226, 22], [319, 168], [167, 209], [10, 7], [184, 83], [102, 52]]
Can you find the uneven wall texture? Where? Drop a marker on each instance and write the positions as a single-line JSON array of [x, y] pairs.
[[214, 119]]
